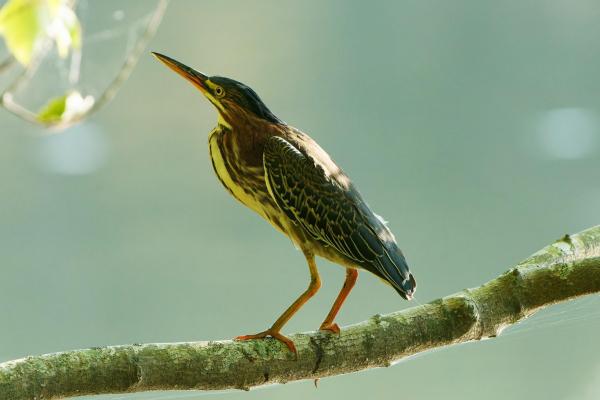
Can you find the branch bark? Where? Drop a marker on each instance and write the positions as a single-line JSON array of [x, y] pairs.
[[563, 270]]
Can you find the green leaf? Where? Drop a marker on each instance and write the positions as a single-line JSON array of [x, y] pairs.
[[52, 112], [21, 28], [23, 23], [65, 108]]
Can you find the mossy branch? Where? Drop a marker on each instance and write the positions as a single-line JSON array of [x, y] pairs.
[[566, 269]]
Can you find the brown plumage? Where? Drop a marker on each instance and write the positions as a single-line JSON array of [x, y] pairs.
[[288, 179]]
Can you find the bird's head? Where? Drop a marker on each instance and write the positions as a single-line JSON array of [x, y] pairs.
[[234, 100]]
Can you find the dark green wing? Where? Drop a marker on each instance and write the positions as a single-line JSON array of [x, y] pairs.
[[327, 206]]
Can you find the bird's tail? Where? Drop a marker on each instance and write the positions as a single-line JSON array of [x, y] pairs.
[[409, 287], [397, 272]]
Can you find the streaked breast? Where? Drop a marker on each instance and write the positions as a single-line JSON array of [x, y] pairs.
[[243, 182]]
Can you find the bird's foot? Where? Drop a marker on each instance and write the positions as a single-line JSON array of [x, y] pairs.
[[275, 335], [330, 326]]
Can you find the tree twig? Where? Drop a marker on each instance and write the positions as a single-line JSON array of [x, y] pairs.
[[564, 270], [6, 63]]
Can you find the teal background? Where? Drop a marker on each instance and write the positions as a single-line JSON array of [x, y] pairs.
[[472, 126]]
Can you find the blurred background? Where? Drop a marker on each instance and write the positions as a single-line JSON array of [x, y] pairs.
[[473, 127]]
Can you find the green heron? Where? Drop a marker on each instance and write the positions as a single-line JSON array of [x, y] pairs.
[[289, 180]]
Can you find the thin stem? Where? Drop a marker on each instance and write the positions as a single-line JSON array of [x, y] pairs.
[[6, 64]]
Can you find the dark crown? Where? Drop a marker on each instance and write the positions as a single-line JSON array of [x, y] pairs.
[[245, 97]]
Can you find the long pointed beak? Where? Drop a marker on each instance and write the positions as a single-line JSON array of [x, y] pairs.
[[197, 79]]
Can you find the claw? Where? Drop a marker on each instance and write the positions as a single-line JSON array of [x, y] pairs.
[[332, 327], [275, 335]]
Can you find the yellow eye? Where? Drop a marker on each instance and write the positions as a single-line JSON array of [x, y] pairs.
[[219, 91]]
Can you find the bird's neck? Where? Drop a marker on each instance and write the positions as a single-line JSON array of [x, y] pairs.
[[246, 137], [222, 122]]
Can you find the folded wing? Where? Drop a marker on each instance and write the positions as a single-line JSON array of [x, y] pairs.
[[328, 207]]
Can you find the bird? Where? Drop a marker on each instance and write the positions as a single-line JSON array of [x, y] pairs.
[[282, 174]]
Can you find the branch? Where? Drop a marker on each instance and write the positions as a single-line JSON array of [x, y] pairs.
[[566, 269]]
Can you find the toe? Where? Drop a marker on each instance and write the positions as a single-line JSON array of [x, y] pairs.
[[255, 336], [333, 327], [275, 335], [285, 340]]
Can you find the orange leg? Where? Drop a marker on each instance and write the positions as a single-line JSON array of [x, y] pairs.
[[328, 324], [274, 331]]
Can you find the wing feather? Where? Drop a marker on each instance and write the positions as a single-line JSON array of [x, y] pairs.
[[333, 214]]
